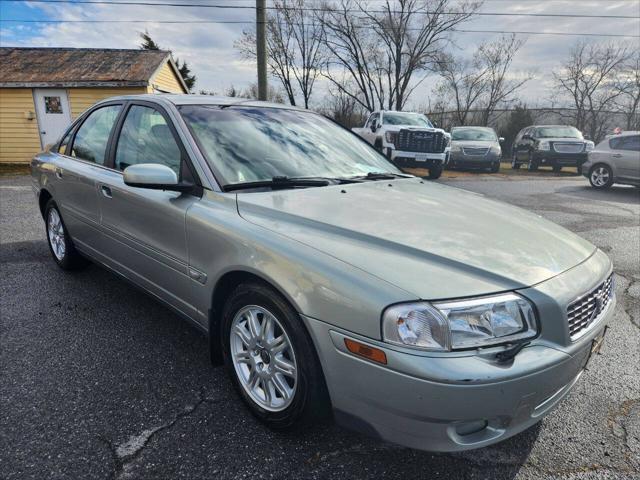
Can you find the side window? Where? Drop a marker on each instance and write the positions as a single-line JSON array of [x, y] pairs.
[[146, 138], [64, 142], [631, 142], [615, 143], [90, 142]]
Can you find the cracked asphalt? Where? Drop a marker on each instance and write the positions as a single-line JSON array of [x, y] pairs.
[[99, 381]]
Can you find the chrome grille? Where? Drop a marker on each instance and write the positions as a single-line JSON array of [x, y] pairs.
[[475, 151], [420, 141], [588, 308], [568, 147]]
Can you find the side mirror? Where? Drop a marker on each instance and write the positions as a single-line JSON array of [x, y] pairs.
[[501, 139], [154, 176], [374, 127]]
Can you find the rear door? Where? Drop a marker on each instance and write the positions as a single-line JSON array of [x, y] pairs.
[[144, 229], [82, 158], [627, 156]]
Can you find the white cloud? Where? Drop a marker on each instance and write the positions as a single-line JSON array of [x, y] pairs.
[[208, 48]]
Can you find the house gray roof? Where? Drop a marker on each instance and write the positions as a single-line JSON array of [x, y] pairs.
[[79, 67]]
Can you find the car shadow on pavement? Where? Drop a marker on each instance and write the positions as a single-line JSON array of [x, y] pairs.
[[617, 193], [115, 385]]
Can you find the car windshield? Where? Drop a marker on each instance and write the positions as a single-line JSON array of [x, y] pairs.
[[483, 134], [558, 132], [250, 144], [411, 119]]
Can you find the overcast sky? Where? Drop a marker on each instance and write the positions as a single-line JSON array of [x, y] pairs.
[[208, 48]]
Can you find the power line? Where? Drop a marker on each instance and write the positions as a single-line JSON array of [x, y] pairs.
[[246, 22], [312, 9]]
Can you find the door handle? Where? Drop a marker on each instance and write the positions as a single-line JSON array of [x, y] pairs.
[[106, 191], [616, 155]]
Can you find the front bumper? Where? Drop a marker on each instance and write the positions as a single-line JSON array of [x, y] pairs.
[[416, 159], [458, 159], [459, 400], [544, 157]]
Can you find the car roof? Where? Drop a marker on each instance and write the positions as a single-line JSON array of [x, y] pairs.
[[626, 133], [186, 99]]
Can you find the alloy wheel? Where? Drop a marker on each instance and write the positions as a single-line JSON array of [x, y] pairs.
[[600, 177], [263, 358], [56, 234]]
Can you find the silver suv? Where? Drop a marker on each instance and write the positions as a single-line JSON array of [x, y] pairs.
[[615, 160]]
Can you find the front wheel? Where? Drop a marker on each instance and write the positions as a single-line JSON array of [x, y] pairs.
[[435, 172], [495, 168], [271, 359], [62, 249], [601, 176], [533, 164]]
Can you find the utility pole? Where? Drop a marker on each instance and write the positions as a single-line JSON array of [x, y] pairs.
[[261, 49]]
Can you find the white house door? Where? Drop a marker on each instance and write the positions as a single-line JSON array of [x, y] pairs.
[[52, 110]]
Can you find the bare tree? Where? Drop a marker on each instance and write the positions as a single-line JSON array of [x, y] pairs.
[[627, 82], [495, 59], [294, 44], [383, 50], [587, 81], [462, 86]]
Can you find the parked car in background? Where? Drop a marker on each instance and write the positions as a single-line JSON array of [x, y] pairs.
[[475, 147], [614, 160], [325, 278], [555, 146], [408, 139]]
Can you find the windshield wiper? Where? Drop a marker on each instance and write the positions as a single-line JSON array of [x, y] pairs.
[[279, 182], [382, 176]]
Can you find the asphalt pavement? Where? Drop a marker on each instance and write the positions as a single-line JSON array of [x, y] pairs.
[[99, 381]]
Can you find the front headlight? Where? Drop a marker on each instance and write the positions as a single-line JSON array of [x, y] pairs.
[[496, 149], [546, 146], [460, 324], [390, 137], [589, 145]]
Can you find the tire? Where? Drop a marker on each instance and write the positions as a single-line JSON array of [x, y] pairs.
[[514, 162], [532, 165], [601, 176], [289, 370], [495, 168], [60, 244], [435, 172], [557, 168]]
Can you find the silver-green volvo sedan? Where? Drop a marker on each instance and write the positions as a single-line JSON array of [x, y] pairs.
[[328, 281]]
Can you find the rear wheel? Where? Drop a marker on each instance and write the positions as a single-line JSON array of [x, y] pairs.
[[557, 168], [271, 359], [601, 176], [60, 244], [435, 172]]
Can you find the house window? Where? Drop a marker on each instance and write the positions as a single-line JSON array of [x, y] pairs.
[[52, 105]]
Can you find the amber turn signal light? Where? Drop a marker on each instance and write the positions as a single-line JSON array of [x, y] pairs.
[[362, 350]]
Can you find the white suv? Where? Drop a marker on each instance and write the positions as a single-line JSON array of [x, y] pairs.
[[614, 160]]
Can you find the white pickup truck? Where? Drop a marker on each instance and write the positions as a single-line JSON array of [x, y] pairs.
[[409, 140]]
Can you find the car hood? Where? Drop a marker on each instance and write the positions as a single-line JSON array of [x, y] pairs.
[[433, 241]]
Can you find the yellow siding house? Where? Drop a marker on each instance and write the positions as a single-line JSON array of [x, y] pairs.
[[42, 90]]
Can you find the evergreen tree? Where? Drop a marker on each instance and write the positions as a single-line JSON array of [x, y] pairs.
[[185, 72]]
